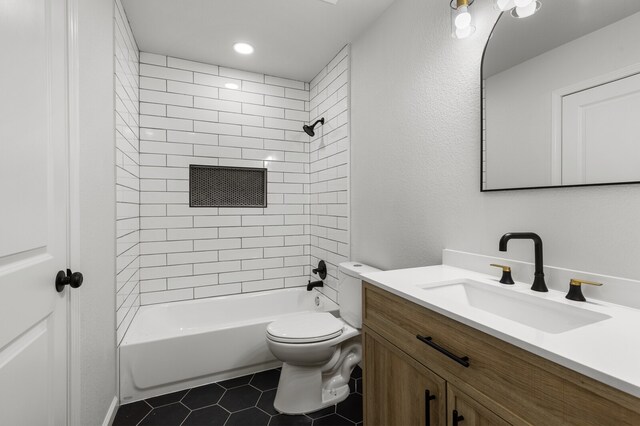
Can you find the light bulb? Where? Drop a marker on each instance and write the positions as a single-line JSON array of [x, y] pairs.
[[465, 32], [526, 11], [503, 5], [463, 20], [523, 3], [462, 25]]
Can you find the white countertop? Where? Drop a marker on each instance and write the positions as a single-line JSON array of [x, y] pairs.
[[607, 351]]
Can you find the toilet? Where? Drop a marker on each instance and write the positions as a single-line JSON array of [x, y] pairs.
[[318, 350]]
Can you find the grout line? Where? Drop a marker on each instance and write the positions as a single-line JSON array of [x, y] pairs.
[[323, 79], [146, 415]]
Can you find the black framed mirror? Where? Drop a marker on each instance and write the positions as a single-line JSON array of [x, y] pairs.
[[561, 97]]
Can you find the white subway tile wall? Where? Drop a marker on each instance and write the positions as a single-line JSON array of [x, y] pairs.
[[329, 168], [189, 115], [128, 172]]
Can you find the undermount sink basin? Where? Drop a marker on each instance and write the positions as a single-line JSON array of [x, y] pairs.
[[544, 315]]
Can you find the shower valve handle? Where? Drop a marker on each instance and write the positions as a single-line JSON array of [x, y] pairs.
[[321, 270]]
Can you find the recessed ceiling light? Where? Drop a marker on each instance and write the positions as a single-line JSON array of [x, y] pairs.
[[232, 86], [243, 48]]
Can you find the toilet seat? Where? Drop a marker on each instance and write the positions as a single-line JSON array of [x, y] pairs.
[[309, 327]]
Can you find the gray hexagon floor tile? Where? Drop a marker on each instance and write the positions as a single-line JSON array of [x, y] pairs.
[[203, 396], [265, 403], [351, 408], [284, 420], [213, 415], [322, 413], [239, 398], [266, 380], [332, 420], [246, 401], [131, 414], [167, 415], [249, 417], [234, 383], [168, 398]]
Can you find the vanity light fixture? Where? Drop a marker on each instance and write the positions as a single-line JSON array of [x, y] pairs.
[[518, 8], [243, 48], [504, 5], [525, 8], [461, 20]]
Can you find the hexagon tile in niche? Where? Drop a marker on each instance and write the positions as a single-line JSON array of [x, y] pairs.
[[245, 401]]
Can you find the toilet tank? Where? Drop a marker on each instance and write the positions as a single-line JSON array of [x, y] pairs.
[[350, 291]]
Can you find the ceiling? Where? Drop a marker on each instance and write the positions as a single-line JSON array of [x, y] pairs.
[[556, 23], [292, 38]]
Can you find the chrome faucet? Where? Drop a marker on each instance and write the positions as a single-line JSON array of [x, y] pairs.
[[538, 280]]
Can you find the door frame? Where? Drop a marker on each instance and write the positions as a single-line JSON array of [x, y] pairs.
[[556, 112], [85, 16], [74, 255], [73, 215]]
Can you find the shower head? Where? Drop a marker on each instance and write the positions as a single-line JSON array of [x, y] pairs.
[[309, 129]]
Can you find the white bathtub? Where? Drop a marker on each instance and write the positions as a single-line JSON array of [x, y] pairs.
[[180, 345]]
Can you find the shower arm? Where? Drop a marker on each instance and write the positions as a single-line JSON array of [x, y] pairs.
[[310, 129], [320, 120]]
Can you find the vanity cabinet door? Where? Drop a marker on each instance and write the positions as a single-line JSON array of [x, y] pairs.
[[465, 411], [397, 389]]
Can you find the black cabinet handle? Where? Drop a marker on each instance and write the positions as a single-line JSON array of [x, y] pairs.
[[464, 361], [457, 418], [427, 406]]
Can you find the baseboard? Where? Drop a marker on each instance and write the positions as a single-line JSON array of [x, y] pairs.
[[111, 413]]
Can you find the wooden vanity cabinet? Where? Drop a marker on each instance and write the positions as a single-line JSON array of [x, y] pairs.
[[500, 385], [466, 411], [400, 390]]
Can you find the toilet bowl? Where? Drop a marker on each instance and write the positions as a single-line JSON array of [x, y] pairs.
[[318, 350]]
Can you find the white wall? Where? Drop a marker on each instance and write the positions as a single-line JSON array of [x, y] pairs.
[[94, 250], [188, 116], [519, 114], [127, 172], [416, 160], [329, 169]]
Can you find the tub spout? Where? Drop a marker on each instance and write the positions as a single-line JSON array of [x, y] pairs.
[[314, 284]]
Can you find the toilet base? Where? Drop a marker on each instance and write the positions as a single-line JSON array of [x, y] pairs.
[[305, 389]]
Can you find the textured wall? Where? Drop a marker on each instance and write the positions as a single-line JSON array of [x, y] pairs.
[[329, 168], [416, 160], [189, 115], [127, 172]]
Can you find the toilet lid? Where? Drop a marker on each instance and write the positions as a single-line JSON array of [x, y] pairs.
[[305, 328]]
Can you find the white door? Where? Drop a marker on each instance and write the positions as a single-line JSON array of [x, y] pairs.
[[601, 133], [33, 212]]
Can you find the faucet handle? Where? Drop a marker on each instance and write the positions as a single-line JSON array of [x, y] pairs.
[[575, 289], [506, 274], [575, 281]]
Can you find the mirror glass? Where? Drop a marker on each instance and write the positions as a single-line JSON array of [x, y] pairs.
[[561, 96]]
